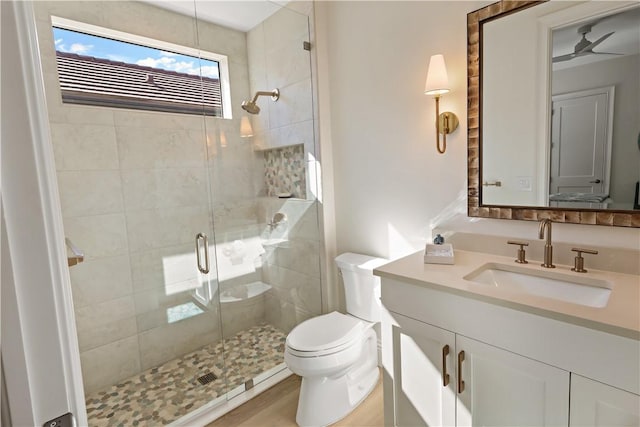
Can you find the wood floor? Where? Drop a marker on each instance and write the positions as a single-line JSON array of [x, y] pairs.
[[277, 406]]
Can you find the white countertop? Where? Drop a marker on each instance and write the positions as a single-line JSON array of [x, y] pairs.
[[621, 315]]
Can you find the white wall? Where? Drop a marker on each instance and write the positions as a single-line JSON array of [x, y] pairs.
[[390, 182], [391, 186]]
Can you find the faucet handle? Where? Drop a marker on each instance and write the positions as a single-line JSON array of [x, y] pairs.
[[521, 253], [579, 260]]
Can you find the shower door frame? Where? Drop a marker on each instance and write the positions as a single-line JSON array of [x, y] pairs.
[[44, 395]]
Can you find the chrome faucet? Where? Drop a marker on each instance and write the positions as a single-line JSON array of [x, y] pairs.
[[548, 249]]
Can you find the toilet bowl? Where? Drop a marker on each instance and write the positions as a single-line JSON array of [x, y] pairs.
[[336, 354]]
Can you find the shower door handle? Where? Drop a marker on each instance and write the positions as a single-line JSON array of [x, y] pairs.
[[201, 237]]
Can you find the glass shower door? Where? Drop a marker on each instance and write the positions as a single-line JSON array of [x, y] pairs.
[[134, 192], [267, 247]]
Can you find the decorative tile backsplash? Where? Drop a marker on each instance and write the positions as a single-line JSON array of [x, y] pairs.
[[285, 171]]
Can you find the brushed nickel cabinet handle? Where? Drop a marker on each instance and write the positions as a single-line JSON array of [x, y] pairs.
[[202, 237], [445, 376], [460, 382]]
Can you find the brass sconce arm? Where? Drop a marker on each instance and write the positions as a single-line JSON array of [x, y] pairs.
[[446, 123], [437, 84]]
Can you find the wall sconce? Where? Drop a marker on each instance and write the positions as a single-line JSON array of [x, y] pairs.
[[438, 84], [246, 130]]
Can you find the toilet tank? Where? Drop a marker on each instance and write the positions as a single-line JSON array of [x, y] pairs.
[[361, 287]]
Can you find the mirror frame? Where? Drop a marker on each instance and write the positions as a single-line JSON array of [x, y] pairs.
[[475, 208]]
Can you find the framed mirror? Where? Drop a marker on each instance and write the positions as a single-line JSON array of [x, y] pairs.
[[554, 112]]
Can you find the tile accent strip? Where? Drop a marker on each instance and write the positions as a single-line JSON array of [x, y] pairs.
[[285, 171]]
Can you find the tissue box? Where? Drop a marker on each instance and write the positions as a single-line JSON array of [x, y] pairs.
[[438, 254]]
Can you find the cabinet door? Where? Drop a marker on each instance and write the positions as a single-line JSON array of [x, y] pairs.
[[505, 389], [597, 404], [420, 396]]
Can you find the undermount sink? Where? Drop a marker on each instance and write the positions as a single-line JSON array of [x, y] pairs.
[[550, 284]]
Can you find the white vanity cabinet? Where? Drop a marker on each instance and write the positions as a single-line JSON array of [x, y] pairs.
[[495, 387], [521, 366], [422, 356], [502, 388], [597, 404]]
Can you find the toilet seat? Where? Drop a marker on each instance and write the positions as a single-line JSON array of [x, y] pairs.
[[326, 334]]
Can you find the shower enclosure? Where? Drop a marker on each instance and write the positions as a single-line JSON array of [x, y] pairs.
[[200, 230]]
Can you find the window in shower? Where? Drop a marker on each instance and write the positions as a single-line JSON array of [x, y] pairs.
[[108, 68]]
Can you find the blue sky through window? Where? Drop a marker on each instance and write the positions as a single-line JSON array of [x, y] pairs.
[[100, 47]]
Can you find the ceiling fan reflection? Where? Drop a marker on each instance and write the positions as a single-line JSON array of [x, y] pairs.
[[584, 46]]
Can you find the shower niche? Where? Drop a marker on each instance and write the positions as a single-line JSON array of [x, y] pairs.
[[164, 334]]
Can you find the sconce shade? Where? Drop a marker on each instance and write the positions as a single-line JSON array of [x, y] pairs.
[[246, 130], [437, 79]]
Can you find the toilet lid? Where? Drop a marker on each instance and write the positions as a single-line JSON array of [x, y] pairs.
[[325, 332]]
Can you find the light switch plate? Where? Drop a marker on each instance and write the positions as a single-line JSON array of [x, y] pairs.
[[524, 183]]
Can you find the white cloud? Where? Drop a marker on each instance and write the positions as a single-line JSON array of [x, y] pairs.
[[210, 71], [171, 64], [118, 58], [80, 48], [165, 53], [60, 46]]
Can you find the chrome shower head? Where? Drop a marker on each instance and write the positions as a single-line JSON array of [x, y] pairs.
[[251, 107]]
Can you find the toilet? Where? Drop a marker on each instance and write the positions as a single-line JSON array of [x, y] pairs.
[[337, 354]]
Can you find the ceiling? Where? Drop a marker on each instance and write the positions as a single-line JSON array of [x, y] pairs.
[[237, 14], [625, 40]]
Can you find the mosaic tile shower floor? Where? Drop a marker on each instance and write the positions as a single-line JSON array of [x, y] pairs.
[[165, 393]]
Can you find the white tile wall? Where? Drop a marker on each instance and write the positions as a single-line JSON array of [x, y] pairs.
[[145, 148], [101, 279], [164, 188], [98, 235], [107, 364], [237, 317], [161, 268], [284, 315], [293, 269], [162, 344], [153, 229], [90, 192], [84, 146], [294, 105]]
